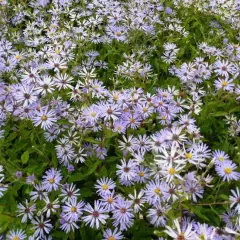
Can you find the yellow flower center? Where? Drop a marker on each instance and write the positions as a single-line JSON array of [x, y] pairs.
[[115, 97], [119, 128], [104, 186], [73, 209], [164, 117], [228, 170], [15, 237], [18, 56], [141, 174], [44, 118], [51, 180], [224, 84], [145, 109], [157, 191], [57, 51], [220, 158], [171, 171], [202, 236], [93, 114], [110, 200], [111, 238], [118, 34], [188, 155]]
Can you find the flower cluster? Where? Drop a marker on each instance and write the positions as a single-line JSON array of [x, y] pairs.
[[105, 120]]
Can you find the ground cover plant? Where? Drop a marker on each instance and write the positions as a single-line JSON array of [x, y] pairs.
[[119, 119]]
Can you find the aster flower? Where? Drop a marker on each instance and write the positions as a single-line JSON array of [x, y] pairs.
[[219, 156], [95, 215], [142, 174], [137, 200], [108, 234], [169, 171], [224, 84], [122, 215], [72, 210], [154, 191], [109, 111], [38, 192], [67, 225], [80, 156], [26, 211], [192, 187], [16, 235], [224, 68], [127, 171], [128, 143], [109, 201], [69, 192], [157, 215], [104, 185], [226, 171], [26, 95], [235, 199], [51, 180], [42, 227], [143, 143], [50, 206], [44, 118], [188, 234], [203, 231]]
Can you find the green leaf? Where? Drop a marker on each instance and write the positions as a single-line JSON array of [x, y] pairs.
[[25, 157], [79, 176]]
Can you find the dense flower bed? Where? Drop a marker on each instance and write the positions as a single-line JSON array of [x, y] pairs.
[[119, 119]]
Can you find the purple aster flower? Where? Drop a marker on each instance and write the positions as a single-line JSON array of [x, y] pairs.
[[67, 225], [26, 95], [154, 191], [26, 211], [203, 230], [119, 126], [109, 201], [51, 180], [108, 234], [219, 156], [109, 111], [127, 171], [95, 215], [143, 143], [42, 227], [142, 174], [230, 218], [157, 215], [50, 206], [194, 189], [123, 214], [72, 210], [104, 185], [224, 84], [44, 118], [226, 171], [69, 192], [16, 235], [235, 199], [38, 193], [137, 200]]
